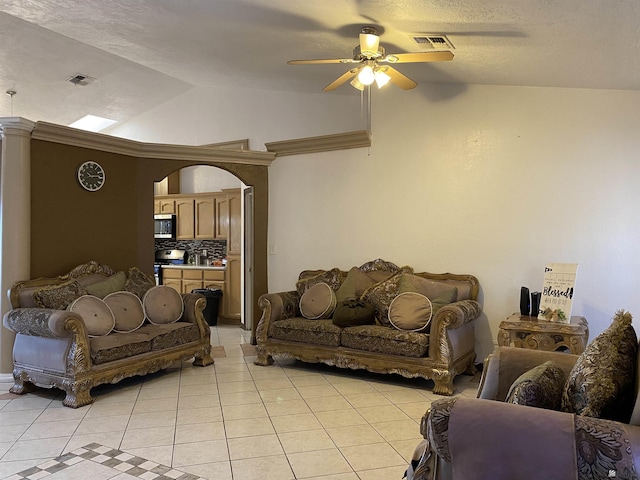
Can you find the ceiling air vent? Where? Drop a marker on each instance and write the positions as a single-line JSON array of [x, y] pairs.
[[81, 79], [433, 41]]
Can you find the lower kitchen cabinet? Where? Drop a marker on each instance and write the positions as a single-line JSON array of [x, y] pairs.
[[184, 280]]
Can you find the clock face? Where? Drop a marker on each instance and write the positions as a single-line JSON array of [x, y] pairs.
[[91, 176]]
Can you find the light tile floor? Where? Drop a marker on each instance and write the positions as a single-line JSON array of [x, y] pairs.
[[231, 420]]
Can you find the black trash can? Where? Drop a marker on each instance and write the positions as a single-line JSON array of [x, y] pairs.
[[213, 296]]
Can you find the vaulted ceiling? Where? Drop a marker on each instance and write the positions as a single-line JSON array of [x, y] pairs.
[[144, 52]]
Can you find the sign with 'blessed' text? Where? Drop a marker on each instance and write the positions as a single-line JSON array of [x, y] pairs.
[[557, 292]]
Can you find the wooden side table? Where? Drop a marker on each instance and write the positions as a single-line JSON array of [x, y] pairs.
[[529, 332]]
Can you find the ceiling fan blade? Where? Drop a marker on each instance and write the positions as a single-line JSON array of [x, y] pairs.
[[400, 79], [341, 79], [320, 60], [418, 57]]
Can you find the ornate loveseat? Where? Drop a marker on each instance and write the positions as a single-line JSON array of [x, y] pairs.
[[541, 414], [439, 348], [62, 348]]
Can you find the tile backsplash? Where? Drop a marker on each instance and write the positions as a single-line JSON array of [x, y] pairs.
[[216, 249]]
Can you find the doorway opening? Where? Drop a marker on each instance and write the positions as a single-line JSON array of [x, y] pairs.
[[217, 193]]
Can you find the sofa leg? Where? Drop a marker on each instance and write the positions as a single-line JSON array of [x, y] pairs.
[[21, 385], [263, 359], [203, 360], [471, 369], [78, 394], [443, 382]]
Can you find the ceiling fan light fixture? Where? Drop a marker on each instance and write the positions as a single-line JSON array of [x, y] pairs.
[[366, 75], [355, 83], [381, 78], [369, 44]]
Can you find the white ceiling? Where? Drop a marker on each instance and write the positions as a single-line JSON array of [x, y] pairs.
[[144, 52]]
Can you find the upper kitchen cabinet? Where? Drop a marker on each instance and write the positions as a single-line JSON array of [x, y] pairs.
[[222, 216], [164, 205], [205, 210], [207, 216], [185, 218]]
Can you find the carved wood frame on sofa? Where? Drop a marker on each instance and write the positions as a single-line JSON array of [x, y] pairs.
[[451, 342], [53, 349]]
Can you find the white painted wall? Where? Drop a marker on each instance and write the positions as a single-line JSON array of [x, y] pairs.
[[202, 179], [488, 180]]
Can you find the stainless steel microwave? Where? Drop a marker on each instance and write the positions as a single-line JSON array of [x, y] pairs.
[[164, 226]]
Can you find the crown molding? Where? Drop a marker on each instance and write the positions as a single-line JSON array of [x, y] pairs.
[[50, 132], [324, 143]]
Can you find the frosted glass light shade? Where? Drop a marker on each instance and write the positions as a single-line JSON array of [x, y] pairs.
[[366, 75]]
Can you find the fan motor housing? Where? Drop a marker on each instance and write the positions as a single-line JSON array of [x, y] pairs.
[[358, 55]]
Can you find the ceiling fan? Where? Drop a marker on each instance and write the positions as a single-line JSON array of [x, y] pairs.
[[369, 56]]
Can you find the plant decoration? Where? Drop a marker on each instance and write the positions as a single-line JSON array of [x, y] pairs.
[[554, 315]]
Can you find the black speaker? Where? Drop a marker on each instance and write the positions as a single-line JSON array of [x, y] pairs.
[[524, 301], [535, 303]]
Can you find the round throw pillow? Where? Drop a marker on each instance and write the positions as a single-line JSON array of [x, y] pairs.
[[410, 311], [162, 305], [98, 317], [127, 310], [318, 301]]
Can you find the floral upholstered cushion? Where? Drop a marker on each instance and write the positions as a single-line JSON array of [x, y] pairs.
[[138, 282], [318, 301], [388, 340], [59, 297], [539, 387], [333, 278], [602, 380], [316, 332], [381, 294]]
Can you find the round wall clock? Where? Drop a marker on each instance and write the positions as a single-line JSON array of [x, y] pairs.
[[91, 176]]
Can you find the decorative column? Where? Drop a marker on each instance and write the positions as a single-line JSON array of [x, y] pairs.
[[15, 220]]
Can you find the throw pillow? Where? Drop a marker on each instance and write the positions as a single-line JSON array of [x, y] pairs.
[[352, 312], [354, 285], [127, 310], [138, 282], [162, 305], [379, 265], [332, 277], [381, 294], [114, 283], [410, 311], [438, 293], [59, 297], [539, 387], [602, 380], [318, 301], [98, 317]]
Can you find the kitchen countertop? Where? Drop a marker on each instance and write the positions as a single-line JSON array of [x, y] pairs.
[[199, 267]]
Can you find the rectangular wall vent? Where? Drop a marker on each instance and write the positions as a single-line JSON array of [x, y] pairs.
[[433, 41], [81, 79]]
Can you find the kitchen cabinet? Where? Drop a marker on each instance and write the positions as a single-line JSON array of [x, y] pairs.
[[184, 280], [222, 216], [185, 218], [204, 211], [164, 205]]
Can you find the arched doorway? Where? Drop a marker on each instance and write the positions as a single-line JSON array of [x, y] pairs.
[[229, 242]]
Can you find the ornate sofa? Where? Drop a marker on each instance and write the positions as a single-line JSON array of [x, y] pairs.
[[58, 348], [438, 350], [594, 434]]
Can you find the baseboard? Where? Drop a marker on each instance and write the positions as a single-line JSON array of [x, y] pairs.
[[6, 378]]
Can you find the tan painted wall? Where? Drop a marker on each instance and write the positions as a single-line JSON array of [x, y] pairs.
[[114, 225]]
